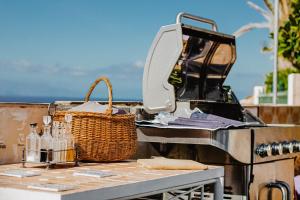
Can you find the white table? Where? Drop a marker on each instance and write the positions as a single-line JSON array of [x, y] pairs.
[[131, 181]]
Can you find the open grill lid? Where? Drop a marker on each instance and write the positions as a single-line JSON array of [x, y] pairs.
[[186, 63]]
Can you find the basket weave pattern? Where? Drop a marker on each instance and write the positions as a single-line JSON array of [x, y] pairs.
[[102, 136]]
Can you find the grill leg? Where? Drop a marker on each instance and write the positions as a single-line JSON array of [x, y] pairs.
[[202, 193], [219, 189]]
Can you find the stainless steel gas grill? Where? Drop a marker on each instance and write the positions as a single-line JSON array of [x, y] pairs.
[[185, 69]]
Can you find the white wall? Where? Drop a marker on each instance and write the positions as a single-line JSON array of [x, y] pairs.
[[294, 89]]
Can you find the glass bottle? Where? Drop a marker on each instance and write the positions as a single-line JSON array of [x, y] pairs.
[[62, 142], [56, 142], [69, 138], [46, 153], [33, 143]]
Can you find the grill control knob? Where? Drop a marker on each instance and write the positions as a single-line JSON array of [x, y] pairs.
[[276, 149], [296, 146], [264, 150], [287, 147]]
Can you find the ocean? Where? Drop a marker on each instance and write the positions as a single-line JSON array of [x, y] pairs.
[[50, 99]]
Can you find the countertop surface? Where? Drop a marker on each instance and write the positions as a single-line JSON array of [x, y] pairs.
[[129, 179]]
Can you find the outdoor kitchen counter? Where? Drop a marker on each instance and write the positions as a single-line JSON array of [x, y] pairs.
[[130, 181]]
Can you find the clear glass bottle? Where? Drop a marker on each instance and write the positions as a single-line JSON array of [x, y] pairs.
[[62, 142], [33, 144], [56, 142], [70, 156], [46, 153]]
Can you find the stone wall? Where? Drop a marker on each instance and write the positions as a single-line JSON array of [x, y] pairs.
[[280, 114], [14, 127]]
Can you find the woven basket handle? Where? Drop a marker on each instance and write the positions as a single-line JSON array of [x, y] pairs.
[[109, 89]]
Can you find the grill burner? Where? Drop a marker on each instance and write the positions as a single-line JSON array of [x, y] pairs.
[[187, 65]]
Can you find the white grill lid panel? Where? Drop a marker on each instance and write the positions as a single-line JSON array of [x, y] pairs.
[[158, 94]]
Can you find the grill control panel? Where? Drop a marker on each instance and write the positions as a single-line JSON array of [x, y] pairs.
[[278, 148]]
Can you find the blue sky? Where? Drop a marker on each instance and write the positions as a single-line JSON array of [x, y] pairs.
[[58, 47]]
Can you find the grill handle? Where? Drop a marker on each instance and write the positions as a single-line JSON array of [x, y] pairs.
[[287, 187], [196, 18], [283, 187]]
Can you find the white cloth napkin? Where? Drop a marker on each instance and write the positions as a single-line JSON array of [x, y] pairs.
[[92, 106]]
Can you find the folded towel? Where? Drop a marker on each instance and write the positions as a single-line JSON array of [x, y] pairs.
[[206, 121], [93, 106], [161, 163]]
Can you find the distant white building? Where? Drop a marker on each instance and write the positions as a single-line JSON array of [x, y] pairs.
[[257, 91], [294, 89]]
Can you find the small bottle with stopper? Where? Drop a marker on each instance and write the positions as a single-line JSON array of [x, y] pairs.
[[56, 142], [33, 144], [69, 138], [62, 142], [46, 152]]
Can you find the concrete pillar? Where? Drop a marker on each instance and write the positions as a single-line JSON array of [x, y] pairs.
[[294, 89]]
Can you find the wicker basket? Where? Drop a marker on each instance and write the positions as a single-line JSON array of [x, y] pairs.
[[102, 136]]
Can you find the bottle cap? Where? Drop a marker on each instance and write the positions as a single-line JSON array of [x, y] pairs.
[[68, 118], [56, 123], [47, 119]]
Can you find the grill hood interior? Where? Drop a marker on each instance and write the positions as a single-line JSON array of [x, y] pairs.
[[186, 63]]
